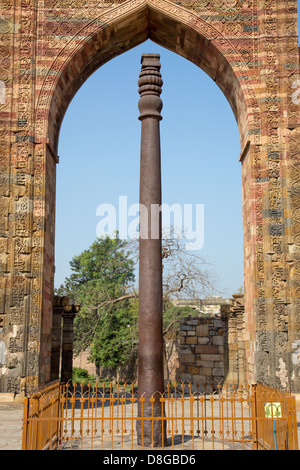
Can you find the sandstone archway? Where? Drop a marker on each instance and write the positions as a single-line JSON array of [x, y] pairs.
[[168, 25], [245, 48]]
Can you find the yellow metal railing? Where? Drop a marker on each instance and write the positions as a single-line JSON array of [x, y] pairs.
[[192, 417], [41, 419], [276, 419]]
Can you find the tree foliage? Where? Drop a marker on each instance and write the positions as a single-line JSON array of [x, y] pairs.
[[100, 277]]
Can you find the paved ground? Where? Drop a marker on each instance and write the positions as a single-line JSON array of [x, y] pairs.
[[11, 415]]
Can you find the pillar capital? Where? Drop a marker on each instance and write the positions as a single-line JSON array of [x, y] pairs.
[[150, 87]]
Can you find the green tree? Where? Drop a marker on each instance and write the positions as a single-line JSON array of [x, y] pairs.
[[106, 264], [99, 281], [114, 341]]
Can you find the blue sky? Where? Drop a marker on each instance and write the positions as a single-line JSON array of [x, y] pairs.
[[99, 149]]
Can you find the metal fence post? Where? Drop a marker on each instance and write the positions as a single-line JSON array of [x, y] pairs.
[[254, 417], [25, 424]]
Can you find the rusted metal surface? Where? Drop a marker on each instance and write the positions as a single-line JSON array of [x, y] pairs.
[[105, 417], [150, 358]]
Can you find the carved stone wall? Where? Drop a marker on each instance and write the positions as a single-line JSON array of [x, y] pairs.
[[48, 48]]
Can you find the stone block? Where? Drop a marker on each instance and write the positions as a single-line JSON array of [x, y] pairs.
[[202, 330], [218, 340], [191, 340], [206, 371], [203, 340], [192, 322], [210, 357], [206, 349], [218, 371], [202, 363], [186, 351], [186, 328], [188, 358]]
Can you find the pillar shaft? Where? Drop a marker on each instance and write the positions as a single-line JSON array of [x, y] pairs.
[[67, 346], [150, 361], [56, 343]]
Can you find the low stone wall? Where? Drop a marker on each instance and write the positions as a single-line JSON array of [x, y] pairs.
[[202, 355], [82, 361]]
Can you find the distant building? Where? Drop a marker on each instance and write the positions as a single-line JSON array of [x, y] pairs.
[[210, 305]]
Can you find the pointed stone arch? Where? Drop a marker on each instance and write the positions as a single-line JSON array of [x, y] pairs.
[[169, 25]]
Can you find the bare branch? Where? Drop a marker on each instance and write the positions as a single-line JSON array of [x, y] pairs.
[[114, 301], [169, 327]]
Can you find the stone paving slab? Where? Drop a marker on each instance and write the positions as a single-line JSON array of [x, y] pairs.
[[11, 416]]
